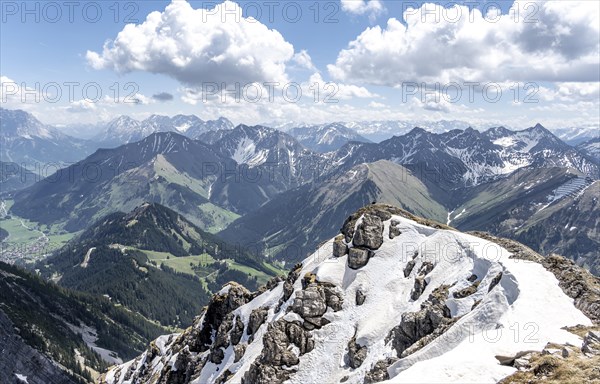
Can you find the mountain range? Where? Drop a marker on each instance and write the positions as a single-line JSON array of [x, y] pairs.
[[259, 175], [155, 226], [24, 140]]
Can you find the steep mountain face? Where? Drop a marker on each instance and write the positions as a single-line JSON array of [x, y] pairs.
[[325, 138], [457, 159], [52, 335], [270, 162], [26, 141], [552, 210], [568, 226], [127, 257], [294, 223], [13, 177], [443, 301], [124, 129], [166, 168], [591, 148]]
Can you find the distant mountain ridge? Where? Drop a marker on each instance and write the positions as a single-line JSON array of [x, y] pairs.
[[24, 140], [326, 137], [124, 129]]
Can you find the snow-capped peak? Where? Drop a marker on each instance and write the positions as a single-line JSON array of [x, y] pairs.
[[393, 299]]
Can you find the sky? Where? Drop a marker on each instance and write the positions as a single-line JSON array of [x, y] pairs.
[[487, 63]]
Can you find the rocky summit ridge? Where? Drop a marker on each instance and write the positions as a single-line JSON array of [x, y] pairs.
[[394, 298]]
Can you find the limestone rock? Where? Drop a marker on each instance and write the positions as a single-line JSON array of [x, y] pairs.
[[360, 297], [356, 354], [358, 257], [394, 230], [257, 318], [419, 287], [369, 233], [340, 248]]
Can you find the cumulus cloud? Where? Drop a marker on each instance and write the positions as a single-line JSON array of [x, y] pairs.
[[337, 91], [198, 45], [360, 7], [163, 96], [557, 42], [303, 60]]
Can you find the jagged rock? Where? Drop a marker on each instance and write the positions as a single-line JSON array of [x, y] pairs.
[[426, 267], [222, 338], [360, 297], [419, 287], [358, 257], [591, 343], [238, 352], [577, 283], [288, 285], [414, 326], [217, 310], [256, 319], [340, 248], [369, 233], [224, 377], [382, 211], [217, 355], [522, 362], [276, 353], [310, 302], [394, 230], [237, 331], [379, 371], [408, 268], [333, 298], [356, 354], [495, 281], [465, 292]]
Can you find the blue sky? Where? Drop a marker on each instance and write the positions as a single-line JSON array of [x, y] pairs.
[[373, 63]]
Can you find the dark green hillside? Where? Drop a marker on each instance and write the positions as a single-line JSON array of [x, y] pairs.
[[50, 319]]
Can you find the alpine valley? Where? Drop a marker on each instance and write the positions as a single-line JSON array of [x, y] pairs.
[[182, 250]]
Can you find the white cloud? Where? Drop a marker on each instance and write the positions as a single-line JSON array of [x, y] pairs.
[[336, 90], [570, 91], [374, 104], [360, 7], [196, 46], [303, 60], [440, 44]]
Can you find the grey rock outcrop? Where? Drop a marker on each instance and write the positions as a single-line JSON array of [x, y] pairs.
[[237, 331], [577, 283], [419, 287], [591, 343], [219, 307], [356, 354], [369, 233], [238, 352], [379, 371], [495, 281], [279, 337], [359, 257], [360, 297], [433, 318], [394, 230], [340, 248], [310, 302], [256, 319]]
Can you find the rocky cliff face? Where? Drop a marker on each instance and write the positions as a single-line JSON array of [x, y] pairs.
[[394, 298], [21, 364]]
